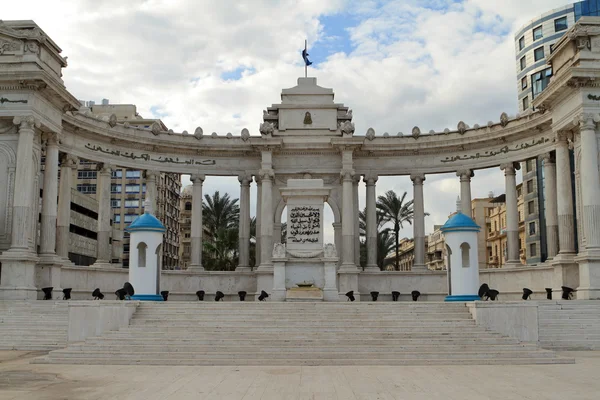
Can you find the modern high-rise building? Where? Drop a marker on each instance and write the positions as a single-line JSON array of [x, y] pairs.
[[534, 41], [128, 188]]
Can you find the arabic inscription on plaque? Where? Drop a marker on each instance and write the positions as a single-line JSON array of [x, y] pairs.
[[304, 224]]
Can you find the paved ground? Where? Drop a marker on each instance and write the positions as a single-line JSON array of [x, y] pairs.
[[20, 380]]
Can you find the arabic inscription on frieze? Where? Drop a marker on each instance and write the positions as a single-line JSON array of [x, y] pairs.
[[304, 224], [147, 157]]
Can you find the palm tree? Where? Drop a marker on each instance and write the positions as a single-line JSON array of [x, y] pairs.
[[221, 220], [385, 246], [362, 221], [396, 211], [219, 212]]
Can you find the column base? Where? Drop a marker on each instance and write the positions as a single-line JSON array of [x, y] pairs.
[[243, 269], [104, 264], [372, 268], [265, 268], [419, 268], [566, 272], [49, 268], [589, 275], [513, 264], [348, 280], [18, 275], [196, 268], [349, 268]]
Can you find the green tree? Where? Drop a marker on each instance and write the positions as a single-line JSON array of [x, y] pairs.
[[220, 216], [396, 212]]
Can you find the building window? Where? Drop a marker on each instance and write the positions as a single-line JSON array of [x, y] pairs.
[[524, 83], [84, 174], [132, 174], [523, 63], [531, 228], [143, 188], [86, 188], [530, 186], [537, 33], [132, 203], [532, 250], [560, 24], [525, 102], [187, 235], [531, 207], [538, 53], [117, 174], [552, 48], [129, 217], [540, 80], [115, 188], [132, 188], [117, 218], [522, 43], [528, 165], [188, 206], [115, 203]]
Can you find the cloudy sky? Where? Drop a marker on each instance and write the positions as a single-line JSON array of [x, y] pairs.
[[218, 64]]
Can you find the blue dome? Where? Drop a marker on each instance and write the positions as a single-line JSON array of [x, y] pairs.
[[459, 222], [146, 223]]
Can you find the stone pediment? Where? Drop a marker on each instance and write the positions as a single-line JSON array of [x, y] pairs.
[[22, 37]]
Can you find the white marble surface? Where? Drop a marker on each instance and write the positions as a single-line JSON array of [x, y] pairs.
[[20, 380]]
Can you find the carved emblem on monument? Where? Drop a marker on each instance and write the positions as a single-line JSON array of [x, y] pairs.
[[347, 128], [307, 119], [267, 129]]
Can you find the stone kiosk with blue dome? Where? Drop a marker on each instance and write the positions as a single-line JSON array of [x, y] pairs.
[[144, 268], [460, 232]]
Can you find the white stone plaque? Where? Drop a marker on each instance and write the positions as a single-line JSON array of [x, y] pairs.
[[304, 225]]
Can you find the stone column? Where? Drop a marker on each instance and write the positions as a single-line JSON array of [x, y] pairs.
[[152, 190], [337, 237], [418, 223], [244, 224], [266, 223], [50, 272], [348, 211], [67, 168], [512, 214], [18, 263], [104, 213], [196, 256], [258, 226], [564, 203], [590, 178], [589, 258], [355, 182], [551, 206], [370, 181], [50, 198], [465, 191]]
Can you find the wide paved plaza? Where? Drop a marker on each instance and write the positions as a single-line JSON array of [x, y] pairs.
[[21, 380]]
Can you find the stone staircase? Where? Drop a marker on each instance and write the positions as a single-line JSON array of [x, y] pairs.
[[255, 333], [33, 325], [570, 325]]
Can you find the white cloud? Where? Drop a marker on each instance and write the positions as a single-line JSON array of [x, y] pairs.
[[429, 63]]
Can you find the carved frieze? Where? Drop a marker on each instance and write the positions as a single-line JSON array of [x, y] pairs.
[[9, 46]]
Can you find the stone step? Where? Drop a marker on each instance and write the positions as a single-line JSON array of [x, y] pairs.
[[360, 325], [305, 362], [285, 354]]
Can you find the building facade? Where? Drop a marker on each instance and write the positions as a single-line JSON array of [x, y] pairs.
[[185, 227], [535, 40]]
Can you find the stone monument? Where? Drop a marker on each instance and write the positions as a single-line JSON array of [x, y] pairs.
[[303, 269]]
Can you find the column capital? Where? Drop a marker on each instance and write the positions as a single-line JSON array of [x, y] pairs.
[[104, 168], [69, 161], [564, 136], [197, 178], [465, 174], [586, 121], [356, 179], [370, 178], [266, 174], [417, 179], [26, 122], [51, 138], [510, 168], [548, 158], [151, 174], [245, 179], [347, 175]]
